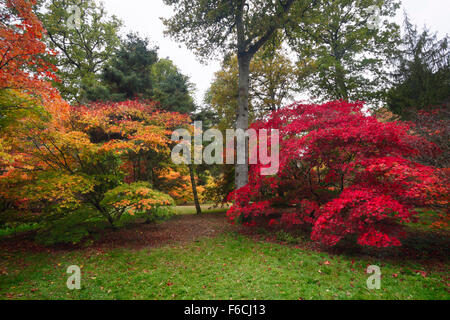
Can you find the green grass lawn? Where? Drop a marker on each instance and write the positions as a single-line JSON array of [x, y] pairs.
[[229, 266], [190, 209]]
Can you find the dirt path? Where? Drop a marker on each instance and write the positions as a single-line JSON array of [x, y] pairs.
[[179, 229]]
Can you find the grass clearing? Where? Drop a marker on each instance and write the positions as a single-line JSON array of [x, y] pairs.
[[229, 266]]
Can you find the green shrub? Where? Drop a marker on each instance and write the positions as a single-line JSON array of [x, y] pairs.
[[71, 227], [137, 200]]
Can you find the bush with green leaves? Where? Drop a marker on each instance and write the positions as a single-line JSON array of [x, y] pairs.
[[68, 226], [137, 200]]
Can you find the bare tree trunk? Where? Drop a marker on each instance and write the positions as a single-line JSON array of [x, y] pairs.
[[241, 175], [194, 189]]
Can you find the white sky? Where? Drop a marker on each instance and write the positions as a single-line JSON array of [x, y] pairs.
[[143, 16]]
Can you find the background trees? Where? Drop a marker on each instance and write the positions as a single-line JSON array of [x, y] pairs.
[[434, 125], [342, 48], [272, 84], [95, 64], [135, 71], [236, 26], [83, 48], [171, 88], [128, 73], [422, 73]]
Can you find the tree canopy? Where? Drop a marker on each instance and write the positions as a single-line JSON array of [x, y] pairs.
[[83, 48], [272, 84], [220, 26], [171, 88], [342, 49], [422, 74], [24, 66], [233, 26], [128, 73]]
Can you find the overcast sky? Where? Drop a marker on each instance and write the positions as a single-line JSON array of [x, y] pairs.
[[143, 16]]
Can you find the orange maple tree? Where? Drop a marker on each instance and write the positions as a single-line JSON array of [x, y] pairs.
[[83, 164], [21, 50]]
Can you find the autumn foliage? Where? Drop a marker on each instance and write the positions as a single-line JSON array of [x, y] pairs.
[[84, 162], [343, 173], [21, 50], [65, 167]]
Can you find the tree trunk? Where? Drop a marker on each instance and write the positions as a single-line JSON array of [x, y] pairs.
[[194, 189], [241, 172]]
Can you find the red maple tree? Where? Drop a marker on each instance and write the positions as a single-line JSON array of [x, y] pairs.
[[342, 172]]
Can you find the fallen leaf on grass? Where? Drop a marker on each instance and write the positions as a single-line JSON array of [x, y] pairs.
[[422, 273]]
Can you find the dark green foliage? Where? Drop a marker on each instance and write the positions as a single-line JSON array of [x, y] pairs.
[[96, 65], [423, 73], [209, 117], [135, 72], [171, 88], [128, 74], [70, 227]]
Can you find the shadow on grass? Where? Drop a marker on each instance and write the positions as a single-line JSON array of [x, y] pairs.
[[426, 247], [183, 228], [422, 246]]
